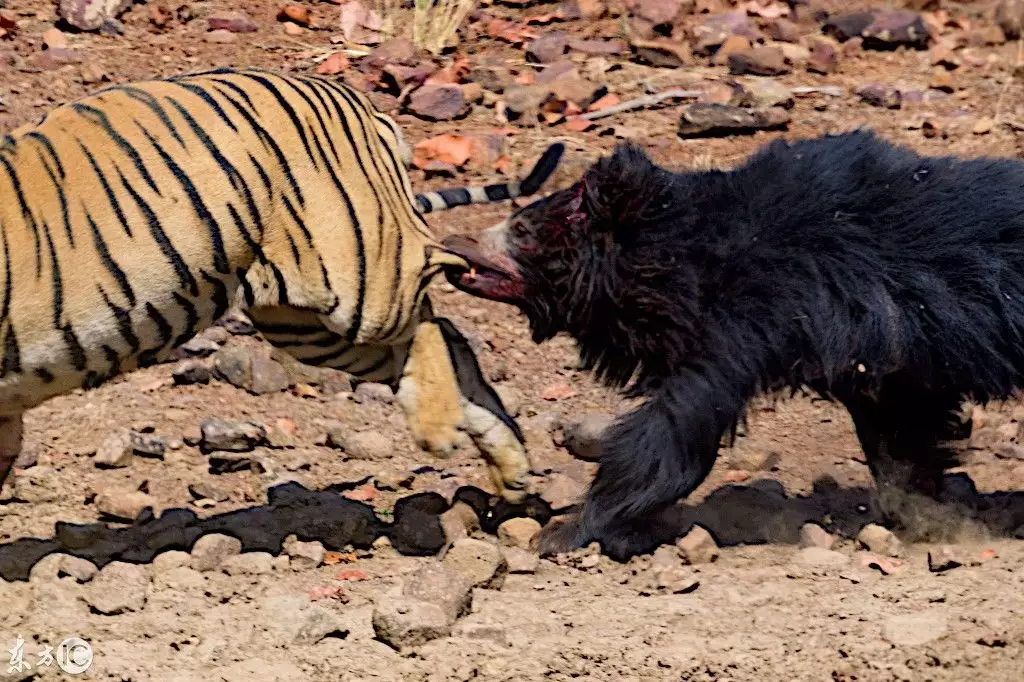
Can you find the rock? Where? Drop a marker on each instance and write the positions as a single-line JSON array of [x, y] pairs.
[[297, 14], [521, 560], [847, 25], [663, 53], [81, 570], [518, 532], [117, 450], [983, 126], [824, 57], [220, 36], [480, 561], [166, 561], [697, 546], [700, 119], [303, 555], [880, 95], [813, 535], [54, 58], [199, 347], [783, 30], [210, 550], [892, 27], [583, 436], [89, 15], [125, 505], [548, 48], [523, 101], [660, 12], [1010, 18], [916, 629], [942, 80], [732, 45], [268, 376], [406, 623], [370, 392], [234, 365], [879, 563], [880, 540], [435, 102], [459, 521], [759, 61], [604, 47], [248, 563], [439, 584], [118, 588], [235, 22], [363, 445], [943, 559], [715, 29], [1008, 451], [562, 491], [297, 621], [675, 580], [493, 632], [188, 372], [819, 557], [54, 37], [222, 436]]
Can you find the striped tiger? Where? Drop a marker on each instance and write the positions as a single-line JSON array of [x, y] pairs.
[[133, 218]]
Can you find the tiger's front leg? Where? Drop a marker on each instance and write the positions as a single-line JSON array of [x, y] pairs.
[[442, 390]]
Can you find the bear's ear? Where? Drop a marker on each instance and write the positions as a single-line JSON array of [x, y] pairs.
[[619, 187]]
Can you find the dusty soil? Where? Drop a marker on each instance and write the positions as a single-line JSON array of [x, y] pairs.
[[761, 611]]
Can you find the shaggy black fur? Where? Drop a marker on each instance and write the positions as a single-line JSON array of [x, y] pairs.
[[889, 281]]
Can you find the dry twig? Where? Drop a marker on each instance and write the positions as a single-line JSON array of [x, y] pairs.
[[645, 101]]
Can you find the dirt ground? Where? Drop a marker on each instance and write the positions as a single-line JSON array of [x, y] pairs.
[[763, 610]]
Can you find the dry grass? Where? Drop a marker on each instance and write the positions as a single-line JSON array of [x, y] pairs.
[[436, 21]]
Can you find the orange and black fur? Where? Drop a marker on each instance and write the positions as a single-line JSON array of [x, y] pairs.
[[133, 218]]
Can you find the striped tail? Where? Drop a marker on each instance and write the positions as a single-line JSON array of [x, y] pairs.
[[444, 199]]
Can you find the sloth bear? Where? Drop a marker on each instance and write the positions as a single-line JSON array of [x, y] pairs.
[[888, 281]]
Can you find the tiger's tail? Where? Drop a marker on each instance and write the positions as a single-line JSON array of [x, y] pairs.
[[444, 199]]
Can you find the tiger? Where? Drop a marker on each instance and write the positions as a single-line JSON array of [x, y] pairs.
[[133, 218]]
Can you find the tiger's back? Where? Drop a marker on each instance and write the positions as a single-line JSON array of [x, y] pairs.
[[131, 217]]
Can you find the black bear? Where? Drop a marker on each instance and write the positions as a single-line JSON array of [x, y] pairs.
[[889, 281]]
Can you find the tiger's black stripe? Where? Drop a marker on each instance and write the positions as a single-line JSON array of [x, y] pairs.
[[185, 276], [191, 319], [290, 111], [62, 199], [48, 146], [123, 317], [220, 256], [56, 280], [108, 261], [91, 113], [12, 353], [26, 212], [153, 105], [202, 94], [115, 205]]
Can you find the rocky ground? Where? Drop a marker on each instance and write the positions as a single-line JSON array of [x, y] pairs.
[[282, 582]]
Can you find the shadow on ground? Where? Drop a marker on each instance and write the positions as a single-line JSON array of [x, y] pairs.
[[757, 513]]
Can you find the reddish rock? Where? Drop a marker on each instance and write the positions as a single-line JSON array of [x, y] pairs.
[[297, 14], [599, 47], [659, 12], [548, 48], [697, 547], [715, 29], [891, 27], [732, 45], [701, 119], [334, 64], [235, 22], [783, 30], [824, 57], [880, 95], [438, 102], [759, 61]]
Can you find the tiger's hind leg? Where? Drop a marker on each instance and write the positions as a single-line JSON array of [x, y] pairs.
[[443, 390], [10, 444]]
